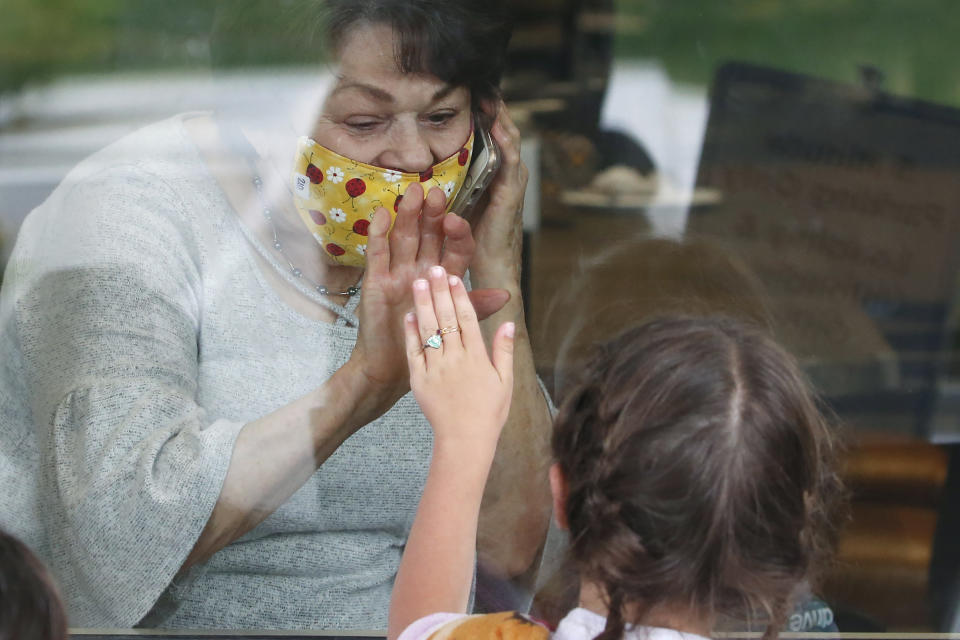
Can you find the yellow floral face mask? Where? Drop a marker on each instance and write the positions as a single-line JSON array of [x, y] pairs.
[[336, 196]]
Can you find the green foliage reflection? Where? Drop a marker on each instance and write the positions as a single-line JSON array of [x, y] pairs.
[[910, 41]]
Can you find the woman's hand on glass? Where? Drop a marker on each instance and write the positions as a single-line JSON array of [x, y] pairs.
[[464, 392], [422, 236]]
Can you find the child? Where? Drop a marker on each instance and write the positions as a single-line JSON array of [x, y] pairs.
[[30, 604], [693, 472]]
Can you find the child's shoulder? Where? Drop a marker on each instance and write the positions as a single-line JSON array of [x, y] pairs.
[[506, 625]]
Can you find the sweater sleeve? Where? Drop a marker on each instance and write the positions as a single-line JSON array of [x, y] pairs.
[[108, 290]]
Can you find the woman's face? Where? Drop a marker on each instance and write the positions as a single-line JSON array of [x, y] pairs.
[[378, 115]]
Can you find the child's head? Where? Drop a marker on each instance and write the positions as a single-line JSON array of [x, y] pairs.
[[699, 471], [30, 605]]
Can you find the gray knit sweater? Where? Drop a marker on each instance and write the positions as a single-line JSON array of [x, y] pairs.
[[137, 337]]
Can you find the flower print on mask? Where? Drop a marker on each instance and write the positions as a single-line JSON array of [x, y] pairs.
[[335, 175], [341, 230]]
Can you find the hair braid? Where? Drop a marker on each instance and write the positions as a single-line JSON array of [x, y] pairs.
[[615, 622], [778, 616]]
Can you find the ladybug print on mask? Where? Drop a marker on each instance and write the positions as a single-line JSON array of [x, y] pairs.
[[314, 173], [360, 227], [355, 188], [342, 230]]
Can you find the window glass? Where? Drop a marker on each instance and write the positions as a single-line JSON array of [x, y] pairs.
[[169, 332]]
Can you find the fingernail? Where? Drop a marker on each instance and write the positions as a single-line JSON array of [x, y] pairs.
[[510, 329], [436, 271], [411, 317], [420, 283], [454, 281]]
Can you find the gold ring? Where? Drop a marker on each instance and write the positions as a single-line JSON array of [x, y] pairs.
[[445, 330]]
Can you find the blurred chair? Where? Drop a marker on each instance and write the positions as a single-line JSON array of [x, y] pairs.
[[880, 579]]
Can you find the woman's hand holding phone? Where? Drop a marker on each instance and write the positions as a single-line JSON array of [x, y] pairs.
[[497, 221], [510, 533]]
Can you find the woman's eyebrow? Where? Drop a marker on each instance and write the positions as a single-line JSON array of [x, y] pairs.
[[380, 95], [374, 92], [443, 92]]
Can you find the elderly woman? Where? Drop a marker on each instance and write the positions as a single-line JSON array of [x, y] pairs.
[[213, 395]]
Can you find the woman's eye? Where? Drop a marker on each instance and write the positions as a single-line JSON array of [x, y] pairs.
[[362, 125], [441, 117]]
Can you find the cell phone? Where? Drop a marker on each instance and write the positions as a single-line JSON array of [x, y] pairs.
[[483, 166]]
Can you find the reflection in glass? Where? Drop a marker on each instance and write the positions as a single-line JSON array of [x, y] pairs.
[[791, 163], [810, 153]]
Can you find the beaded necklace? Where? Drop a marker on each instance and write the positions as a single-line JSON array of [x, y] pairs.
[[251, 155], [297, 273]]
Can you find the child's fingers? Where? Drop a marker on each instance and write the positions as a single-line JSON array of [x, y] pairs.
[[415, 357], [466, 315], [443, 306], [503, 352]]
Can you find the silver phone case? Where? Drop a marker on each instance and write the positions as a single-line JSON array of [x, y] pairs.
[[478, 177]]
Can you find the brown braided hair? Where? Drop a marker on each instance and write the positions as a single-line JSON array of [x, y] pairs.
[[700, 472]]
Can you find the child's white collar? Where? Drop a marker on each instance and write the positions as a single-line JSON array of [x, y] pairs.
[[581, 623]]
